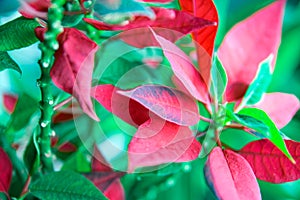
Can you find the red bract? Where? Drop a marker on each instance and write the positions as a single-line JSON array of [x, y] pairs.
[[280, 107], [105, 178], [270, 164], [158, 141], [5, 171], [171, 24], [247, 44], [35, 8], [73, 66], [231, 176], [184, 69], [9, 102], [205, 38]]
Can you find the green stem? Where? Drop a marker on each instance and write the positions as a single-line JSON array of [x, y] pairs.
[[48, 48]]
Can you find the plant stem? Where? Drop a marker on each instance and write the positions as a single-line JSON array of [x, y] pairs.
[[48, 48]]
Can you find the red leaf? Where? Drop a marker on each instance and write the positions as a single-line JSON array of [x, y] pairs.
[[171, 24], [35, 8], [158, 142], [270, 164], [247, 44], [5, 171], [63, 115], [280, 107], [168, 103], [184, 69], [231, 176], [125, 108], [73, 66], [104, 178], [205, 38], [9, 102]]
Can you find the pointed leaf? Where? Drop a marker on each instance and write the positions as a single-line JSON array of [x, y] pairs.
[[280, 107], [65, 185], [184, 69], [168, 103], [270, 164], [137, 33], [230, 176], [17, 34], [9, 102], [125, 108], [158, 142], [247, 44], [73, 66], [260, 83], [205, 38], [6, 170], [274, 133], [6, 62], [218, 79]]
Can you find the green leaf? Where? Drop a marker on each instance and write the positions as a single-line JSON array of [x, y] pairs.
[[65, 185], [6, 62], [260, 83], [274, 134], [219, 79], [261, 129], [119, 11], [77, 162], [25, 108], [17, 33], [208, 143]]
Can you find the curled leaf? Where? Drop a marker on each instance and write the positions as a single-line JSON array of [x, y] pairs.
[[73, 66]]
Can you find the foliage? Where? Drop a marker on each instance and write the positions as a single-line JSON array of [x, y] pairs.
[[150, 99]]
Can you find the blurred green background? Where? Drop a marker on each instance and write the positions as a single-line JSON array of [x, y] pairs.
[[190, 184]]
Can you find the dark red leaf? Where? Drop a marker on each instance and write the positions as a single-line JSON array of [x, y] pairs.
[[115, 191], [9, 102], [158, 142], [231, 176], [169, 23], [73, 66], [270, 164], [168, 103], [34, 8], [125, 108], [247, 44], [205, 38], [5, 171], [63, 115], [184, 69], [280, 107]]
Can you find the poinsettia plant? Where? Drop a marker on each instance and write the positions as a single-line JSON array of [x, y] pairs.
[[133, 96]]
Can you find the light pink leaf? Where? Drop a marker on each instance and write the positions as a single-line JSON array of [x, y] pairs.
[[6, 170], [184, 69], [168, 103], [169, 23], [158, 142], [205, 38], [247, 44], [270, 164], [125, 108], [231, 176], [73, 66], [280, 107], [9, 102]]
